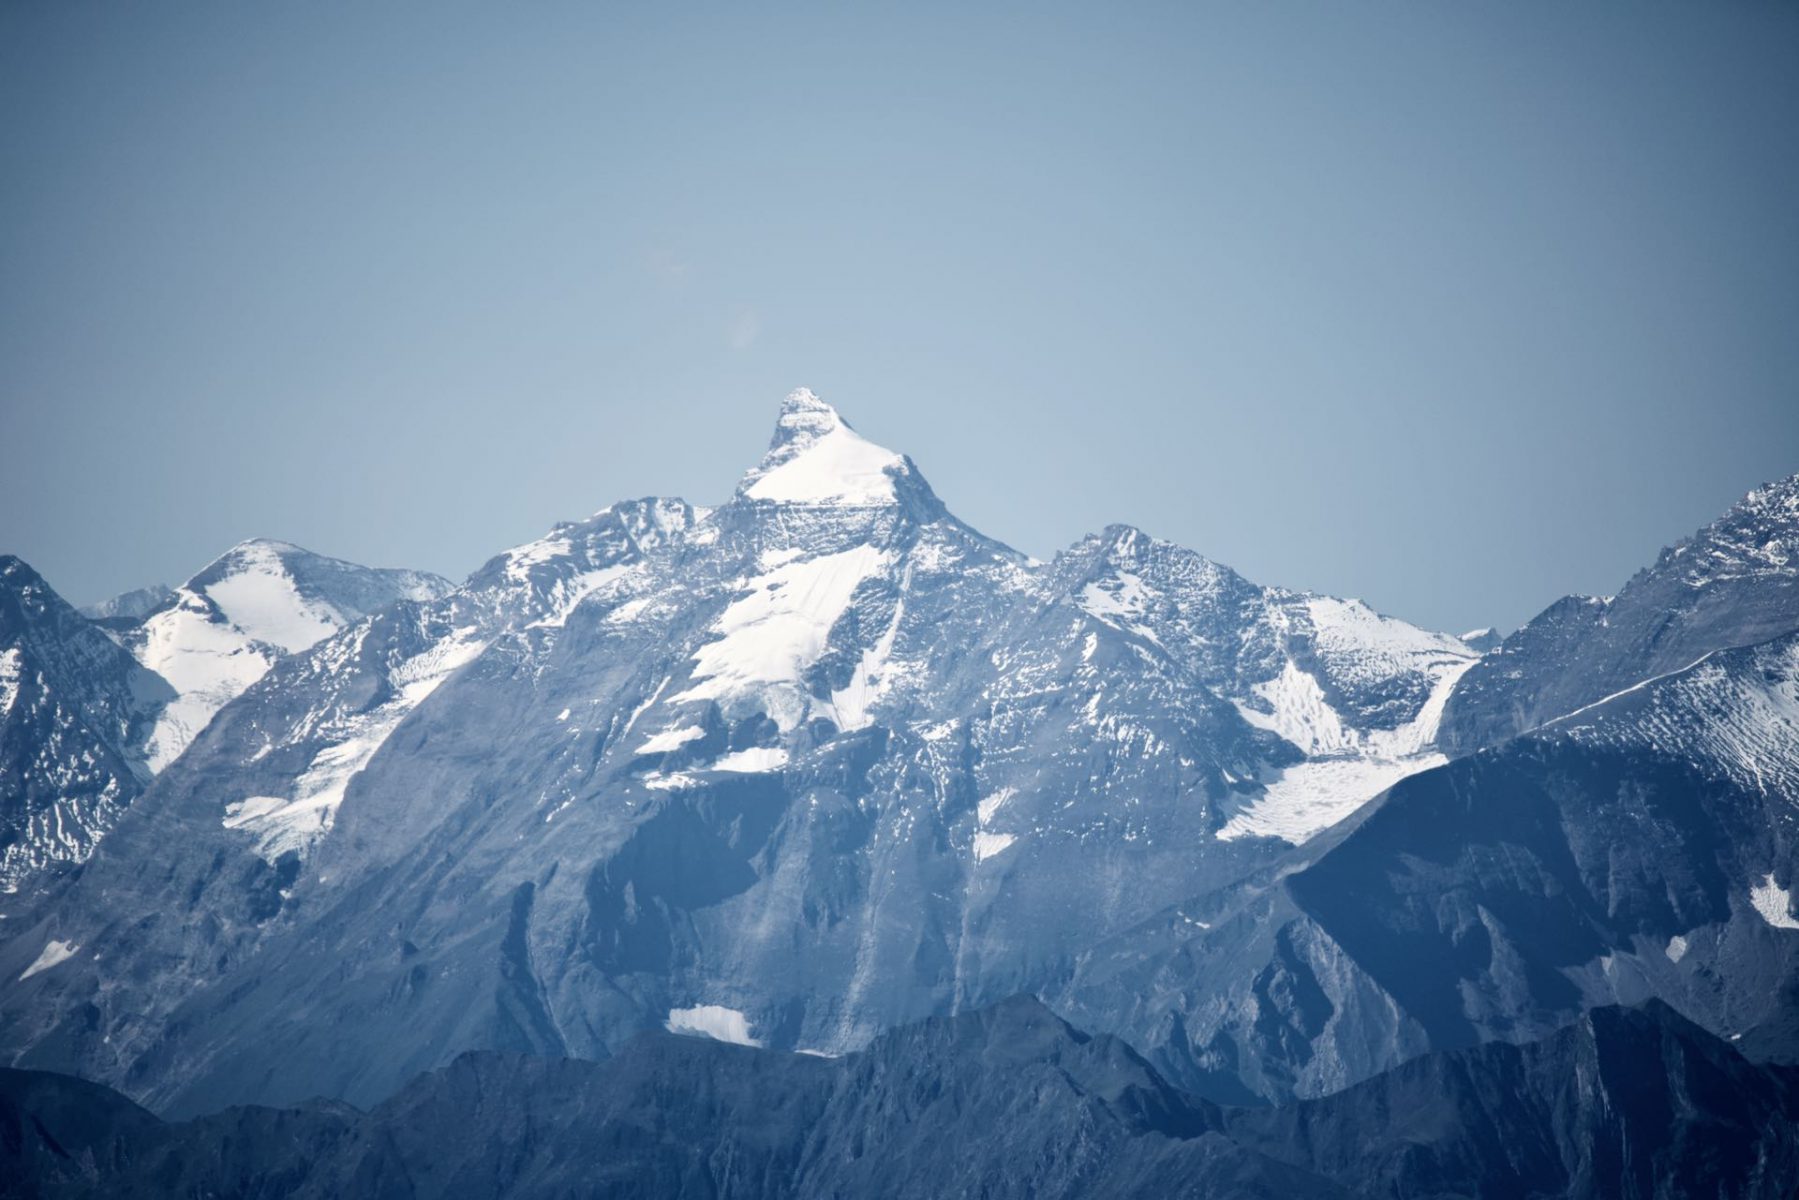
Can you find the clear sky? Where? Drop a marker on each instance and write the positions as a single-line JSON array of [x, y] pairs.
[[1451, 307]]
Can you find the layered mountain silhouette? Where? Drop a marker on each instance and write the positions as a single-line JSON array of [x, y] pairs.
[[822, 762], [1006, 1101]]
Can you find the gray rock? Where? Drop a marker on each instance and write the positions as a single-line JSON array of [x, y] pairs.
[[74, 709], [1641, 848], [1733, 583]]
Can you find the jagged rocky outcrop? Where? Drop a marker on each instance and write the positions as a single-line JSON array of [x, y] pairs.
[[1733, 583], [74, 710]]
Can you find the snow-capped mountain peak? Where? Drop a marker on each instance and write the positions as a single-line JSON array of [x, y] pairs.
[[816, 458], [254, 587], [222, 629], [284, 595]]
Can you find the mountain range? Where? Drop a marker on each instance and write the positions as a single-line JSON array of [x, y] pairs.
[[1005, 1101], [827, 773]]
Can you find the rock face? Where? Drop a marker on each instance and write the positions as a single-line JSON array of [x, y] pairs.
[[85, 726], [822, 758], [1641, 843], [1482, 640], [1006, 1101], [1642, 847], [74, 710], [1622, 1102], [1734, 583]]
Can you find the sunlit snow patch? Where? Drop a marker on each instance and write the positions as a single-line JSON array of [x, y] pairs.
[[671, 739], [778, 628], [851, 704], [54, 952], [566, 594], [986, 845], [1774, 903], [217, 639], [714, 1021], [207, 663], [753, 760], [990, 805], [520, 559], [10, 664], [1345, 767], [1743, 721], [260, 598], [1358, 643], [1121, 602]]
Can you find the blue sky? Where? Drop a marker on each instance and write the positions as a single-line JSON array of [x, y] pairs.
[[1454, 308]]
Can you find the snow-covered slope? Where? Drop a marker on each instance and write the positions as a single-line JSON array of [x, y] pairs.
[[330, 711], [221, 630], [1357, 695], [817, 458], [89, 725], [1482, 640], [1734, 713]]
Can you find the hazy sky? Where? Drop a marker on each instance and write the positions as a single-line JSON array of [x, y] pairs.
[[1451, 307]]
